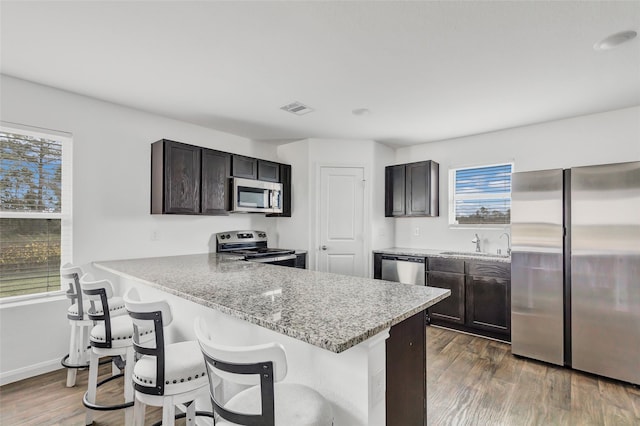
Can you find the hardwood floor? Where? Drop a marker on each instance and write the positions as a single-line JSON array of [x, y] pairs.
[[45, 400], [470, 381], [475, 381]]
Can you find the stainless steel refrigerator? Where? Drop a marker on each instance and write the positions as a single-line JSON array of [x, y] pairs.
[[575, 268]]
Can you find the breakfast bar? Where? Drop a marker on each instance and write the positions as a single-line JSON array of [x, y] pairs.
[[358, 341]]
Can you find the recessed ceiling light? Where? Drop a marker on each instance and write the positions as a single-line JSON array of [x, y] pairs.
[[361, 111], [615, 40]]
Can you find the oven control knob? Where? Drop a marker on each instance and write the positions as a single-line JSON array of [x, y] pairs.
[[228, 236]]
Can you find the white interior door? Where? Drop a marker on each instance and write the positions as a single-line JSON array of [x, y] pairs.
[[341, 221]]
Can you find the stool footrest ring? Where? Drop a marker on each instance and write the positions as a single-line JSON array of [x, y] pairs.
[[97, 407], [183, 415], [65, 364]]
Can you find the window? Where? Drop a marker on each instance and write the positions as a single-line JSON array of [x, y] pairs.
[[35, 210], [480, 195]]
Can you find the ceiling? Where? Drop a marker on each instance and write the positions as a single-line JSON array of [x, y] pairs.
[[425, 70]]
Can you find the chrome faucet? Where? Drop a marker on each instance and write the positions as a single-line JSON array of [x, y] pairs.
[[508, 243], [476, 241]]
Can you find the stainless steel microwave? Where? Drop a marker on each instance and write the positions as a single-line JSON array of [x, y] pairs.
[[256, 196]]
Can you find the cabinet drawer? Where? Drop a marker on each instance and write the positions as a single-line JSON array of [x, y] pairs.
[[489, 269], [446, 265]]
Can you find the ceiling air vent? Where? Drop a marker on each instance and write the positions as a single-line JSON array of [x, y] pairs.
[[297, 108]]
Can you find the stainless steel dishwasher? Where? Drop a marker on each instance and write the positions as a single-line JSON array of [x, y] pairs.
[[403, 269]]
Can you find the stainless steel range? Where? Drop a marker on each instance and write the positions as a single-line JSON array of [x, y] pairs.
[[253, 246]]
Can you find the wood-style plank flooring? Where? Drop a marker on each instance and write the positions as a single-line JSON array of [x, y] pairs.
[[45, 400], [470, 381], [476, 381]]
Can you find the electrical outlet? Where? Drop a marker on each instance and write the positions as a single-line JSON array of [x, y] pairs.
[[416, 231]]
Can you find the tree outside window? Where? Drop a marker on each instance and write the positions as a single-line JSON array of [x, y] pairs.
[[33, 214], [480, 196]]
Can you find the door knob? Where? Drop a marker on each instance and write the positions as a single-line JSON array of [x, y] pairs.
[[323, 247]]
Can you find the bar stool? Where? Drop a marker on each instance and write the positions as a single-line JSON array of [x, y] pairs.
[[79, 322], [268, 402], [165, 375], [111, 336]]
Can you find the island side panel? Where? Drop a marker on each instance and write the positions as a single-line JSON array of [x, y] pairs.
[[406, 394], [349, 380]]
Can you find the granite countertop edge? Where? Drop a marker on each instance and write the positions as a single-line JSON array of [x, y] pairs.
[[401, 251]]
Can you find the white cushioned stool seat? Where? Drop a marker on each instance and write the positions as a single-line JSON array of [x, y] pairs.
[[166, 375], [73, 309], [121, 332], [116, 307], [184, 368], [295, 404]]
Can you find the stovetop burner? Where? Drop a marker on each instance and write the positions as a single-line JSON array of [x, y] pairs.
[[251, 244], [261, 251]]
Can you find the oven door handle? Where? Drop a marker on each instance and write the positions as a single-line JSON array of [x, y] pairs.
[[270, 259]]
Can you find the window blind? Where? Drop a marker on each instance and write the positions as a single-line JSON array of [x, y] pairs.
[[481, 195], [35, 226]]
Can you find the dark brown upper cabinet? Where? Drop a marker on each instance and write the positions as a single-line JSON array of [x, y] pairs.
[[187, 179], [269, 171], [175, 178], [285, 179], [412, 189], [216, 168], [394, 190], [244, 167]]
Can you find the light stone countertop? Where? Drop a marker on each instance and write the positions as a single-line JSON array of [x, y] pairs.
[[399, 251], [333, 312]]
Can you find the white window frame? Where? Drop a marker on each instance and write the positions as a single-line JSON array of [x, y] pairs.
[[482, 195], [65, 214]]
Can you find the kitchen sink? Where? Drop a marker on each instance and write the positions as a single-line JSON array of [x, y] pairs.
[[473, 254]]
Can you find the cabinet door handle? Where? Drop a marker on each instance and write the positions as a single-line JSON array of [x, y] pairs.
[[323, 247]]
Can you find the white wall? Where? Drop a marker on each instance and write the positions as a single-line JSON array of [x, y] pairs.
[[306, 157], [609, 137], [111, 190], [294, 232]]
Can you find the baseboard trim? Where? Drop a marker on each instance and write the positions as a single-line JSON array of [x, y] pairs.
[[469, 333], [16, 375]]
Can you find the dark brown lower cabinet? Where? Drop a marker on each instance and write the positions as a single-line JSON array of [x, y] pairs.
[[488, 304], [301, 260], [480, 301], [453, 307], [406, 364]]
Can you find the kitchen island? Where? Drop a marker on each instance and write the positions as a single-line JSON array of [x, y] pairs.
[[349, 337]]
